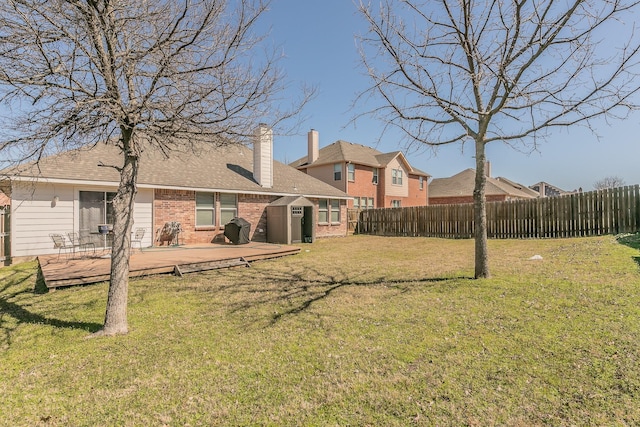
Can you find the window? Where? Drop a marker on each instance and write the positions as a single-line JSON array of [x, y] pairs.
[[356, 202], [370, 203], [337, 172], [323, 211], [375, 176], [421, 180], [396, 176], [328, 210], [205, 210], [335, 210], [228, 208], [395, 203], [351, 172]]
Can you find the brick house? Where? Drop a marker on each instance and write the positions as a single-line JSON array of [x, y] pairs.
[[201, 188], [459, 189], [373, 179]]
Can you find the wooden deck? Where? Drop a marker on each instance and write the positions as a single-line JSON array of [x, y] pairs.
[[84, 269]]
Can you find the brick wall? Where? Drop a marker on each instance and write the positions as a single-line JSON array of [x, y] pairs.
[[363, 185], [180, 205], [252, 208], [416, 196], [332, 230]]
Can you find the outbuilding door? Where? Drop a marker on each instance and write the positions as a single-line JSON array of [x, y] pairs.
[[297, 222]]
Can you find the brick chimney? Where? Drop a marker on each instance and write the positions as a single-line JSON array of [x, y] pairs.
[[312, 144], [263, 156]]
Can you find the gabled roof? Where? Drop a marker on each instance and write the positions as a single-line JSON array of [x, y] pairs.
[[463, 183], [228, 168], [549, 190], [291, 201], [348, 152], [518, 186]]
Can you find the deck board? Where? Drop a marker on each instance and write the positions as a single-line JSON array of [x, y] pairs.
[[80, 270]]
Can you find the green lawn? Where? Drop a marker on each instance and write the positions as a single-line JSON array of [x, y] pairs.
[[352, 331]]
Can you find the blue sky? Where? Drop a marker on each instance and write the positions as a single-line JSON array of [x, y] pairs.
[[317, 39]]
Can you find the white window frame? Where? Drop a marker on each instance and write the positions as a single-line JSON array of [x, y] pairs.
[[396, 203], [334, 208], [327, 208], [421, 180], [374, 179], [323, 211], [234, 209], [337, 172], [351, 172], [396, 176], [207, 208]]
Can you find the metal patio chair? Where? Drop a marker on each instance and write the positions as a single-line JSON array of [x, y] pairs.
[[137, 237], [81, 243], [61, 244]]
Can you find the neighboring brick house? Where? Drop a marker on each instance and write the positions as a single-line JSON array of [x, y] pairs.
[[202, 190], [373, 179], [459, 189]]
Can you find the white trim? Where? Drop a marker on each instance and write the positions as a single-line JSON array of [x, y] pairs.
[[170, 187]]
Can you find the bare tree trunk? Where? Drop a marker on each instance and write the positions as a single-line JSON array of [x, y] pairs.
[[480, 214], [115, 321]]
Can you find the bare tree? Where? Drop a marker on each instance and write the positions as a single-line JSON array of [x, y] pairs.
[[609, 182], [138, 74], [510, 71]]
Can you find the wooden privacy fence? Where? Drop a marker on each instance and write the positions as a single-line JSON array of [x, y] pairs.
[[610, 211]]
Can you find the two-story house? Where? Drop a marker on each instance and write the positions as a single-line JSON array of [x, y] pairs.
[[373, 179]]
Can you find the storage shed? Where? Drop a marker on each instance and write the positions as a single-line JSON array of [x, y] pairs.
[[290, 219]]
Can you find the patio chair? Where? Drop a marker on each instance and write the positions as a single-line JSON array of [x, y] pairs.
[[137, 237], [61, 244], [81, 243]]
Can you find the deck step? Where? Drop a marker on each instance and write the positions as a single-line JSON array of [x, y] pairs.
[[181, 269]]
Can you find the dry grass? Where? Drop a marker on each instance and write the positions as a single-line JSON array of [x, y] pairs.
[[353, 331]]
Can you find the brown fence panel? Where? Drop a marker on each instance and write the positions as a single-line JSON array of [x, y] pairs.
[[594, 213]]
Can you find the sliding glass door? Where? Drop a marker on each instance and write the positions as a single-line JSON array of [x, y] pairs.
[[96, 208]]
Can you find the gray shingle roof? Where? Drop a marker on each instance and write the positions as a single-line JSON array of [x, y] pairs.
[[462, 184], [343, 151], [227, 168]]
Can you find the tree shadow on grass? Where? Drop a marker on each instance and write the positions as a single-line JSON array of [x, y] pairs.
[[13, 314], [300, 290], [632, 241]]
